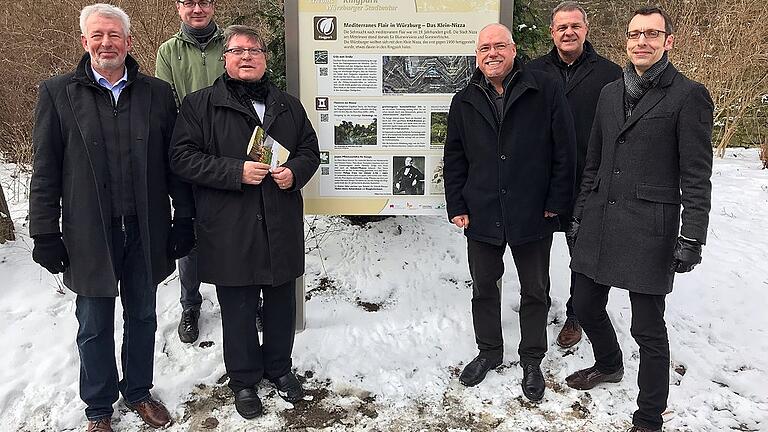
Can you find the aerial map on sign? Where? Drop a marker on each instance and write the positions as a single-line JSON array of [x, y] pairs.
[[426, 74]]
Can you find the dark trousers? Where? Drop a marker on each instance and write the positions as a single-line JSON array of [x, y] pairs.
[[486, 265], [246, 360], [190, 283], [649, 331], [99, 385]]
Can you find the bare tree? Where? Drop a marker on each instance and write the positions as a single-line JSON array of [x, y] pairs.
[[720, 43]]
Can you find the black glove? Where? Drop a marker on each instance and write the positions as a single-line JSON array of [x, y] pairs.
[[686, 255], [182, 237], [49, 251], [572, 232]]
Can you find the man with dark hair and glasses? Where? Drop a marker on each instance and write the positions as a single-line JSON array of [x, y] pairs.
[[509, 171], [584, 73], [649, 154], [189, 61], [249, 214]]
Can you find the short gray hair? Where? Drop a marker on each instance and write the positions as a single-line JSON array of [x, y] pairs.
[[568, 6], [105, 10], [243, 30]]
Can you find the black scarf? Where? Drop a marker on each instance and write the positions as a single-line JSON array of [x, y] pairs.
[[247, 92], [202, 36], [635, 86]]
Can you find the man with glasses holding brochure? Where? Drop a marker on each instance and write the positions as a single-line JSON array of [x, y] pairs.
[[249, 218], [189, 61]]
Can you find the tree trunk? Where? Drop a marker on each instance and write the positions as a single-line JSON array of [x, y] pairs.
[[6, 224]]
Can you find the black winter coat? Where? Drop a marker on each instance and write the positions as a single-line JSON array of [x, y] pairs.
[[582, 91], [504, 176], [638, 173], [70, 178], [247, 234]]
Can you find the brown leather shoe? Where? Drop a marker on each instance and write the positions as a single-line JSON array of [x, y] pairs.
[[153, 412], [586, 379], [103, 424], [570, 334]]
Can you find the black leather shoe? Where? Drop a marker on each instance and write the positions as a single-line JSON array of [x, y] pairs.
[[533, 382], [289, 388], [474, 372], [248, 404], [188, 329], [642, 429], [586, 379]]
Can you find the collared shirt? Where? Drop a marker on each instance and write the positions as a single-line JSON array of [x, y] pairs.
[[117, 88]]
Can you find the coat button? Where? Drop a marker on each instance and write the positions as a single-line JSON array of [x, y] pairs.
[[611, 202], [503, 157], [498, 224], [617, 171], [258, 217], [622, 140], [503, 191]]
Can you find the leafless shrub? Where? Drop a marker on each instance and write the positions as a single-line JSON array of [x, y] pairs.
[[764, 154], [720, 43]]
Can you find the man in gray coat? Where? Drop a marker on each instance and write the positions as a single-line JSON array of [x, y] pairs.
[[649, 153], [99, 209]]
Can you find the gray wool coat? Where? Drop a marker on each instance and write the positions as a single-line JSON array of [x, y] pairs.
[[639, 173]]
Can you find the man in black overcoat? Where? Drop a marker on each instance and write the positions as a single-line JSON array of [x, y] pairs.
[[584, 73], [650, 154], [100, 212], [250, 219], [509, 171]]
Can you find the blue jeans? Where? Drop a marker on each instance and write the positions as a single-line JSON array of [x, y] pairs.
[[99, 385], [190, 283]]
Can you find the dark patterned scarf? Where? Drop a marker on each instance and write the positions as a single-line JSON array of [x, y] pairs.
[[635, 86]]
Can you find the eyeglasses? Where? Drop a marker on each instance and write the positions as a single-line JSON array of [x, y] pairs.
[[189, 4], [501, 46], [649, 34], [241, 51]]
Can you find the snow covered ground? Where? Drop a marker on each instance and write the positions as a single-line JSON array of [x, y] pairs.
[[389, 329]]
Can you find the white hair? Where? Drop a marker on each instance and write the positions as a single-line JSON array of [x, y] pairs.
[[105, 10]]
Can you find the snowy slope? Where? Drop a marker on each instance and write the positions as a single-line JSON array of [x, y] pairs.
[[389, 329]]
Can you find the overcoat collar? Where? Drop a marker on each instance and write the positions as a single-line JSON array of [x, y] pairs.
[[274, 105], [646, 103], [588, 59], [477, 97]]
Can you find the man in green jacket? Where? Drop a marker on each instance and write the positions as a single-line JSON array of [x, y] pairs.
[[190, 61]]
